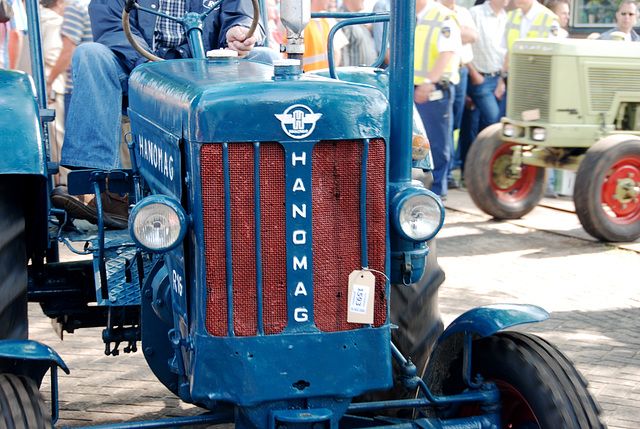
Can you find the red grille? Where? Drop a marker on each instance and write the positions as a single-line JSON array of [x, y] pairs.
[[243, 238], [336, 228], [336, 178]]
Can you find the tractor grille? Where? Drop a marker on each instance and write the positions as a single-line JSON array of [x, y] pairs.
[[257, 274], [530, 88], [606, 83]]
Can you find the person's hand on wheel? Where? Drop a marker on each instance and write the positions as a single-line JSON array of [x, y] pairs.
[[237, 40]]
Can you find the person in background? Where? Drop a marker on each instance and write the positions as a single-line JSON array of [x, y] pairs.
[[626, 17], [378, 30], [361, 49], [437, 42], [316, 36], [563, 11], [50, 23], [468, 34], [12, 35], [76, 29], [529, 20], [483, 106], [276, 29]]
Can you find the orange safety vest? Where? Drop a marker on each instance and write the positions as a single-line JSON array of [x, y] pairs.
[[315, 45], [540, 29]]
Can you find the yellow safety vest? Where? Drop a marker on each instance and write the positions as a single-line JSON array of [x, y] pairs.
[[541, 26], [426, 45], [315, 45]]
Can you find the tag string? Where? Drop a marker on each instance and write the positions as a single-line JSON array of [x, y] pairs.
[[376, 271]]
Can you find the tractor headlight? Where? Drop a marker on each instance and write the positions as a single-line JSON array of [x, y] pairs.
[[508, 130], [538, 134], [419, 214], [158, 224]]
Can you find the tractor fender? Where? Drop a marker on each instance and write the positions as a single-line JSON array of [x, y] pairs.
[[481, 322], [29, 358], [21, 148]]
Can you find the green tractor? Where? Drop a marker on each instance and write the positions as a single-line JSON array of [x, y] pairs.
[[571, 105]]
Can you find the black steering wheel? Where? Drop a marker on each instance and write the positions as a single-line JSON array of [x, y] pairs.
[[132, 4]]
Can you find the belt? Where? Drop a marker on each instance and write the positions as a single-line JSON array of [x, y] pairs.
[[494, 74]]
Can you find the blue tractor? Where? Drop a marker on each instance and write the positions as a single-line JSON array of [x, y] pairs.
[[279, 268]]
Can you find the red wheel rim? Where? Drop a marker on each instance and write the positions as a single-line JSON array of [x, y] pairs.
[[504, 185], [620, 188], [516, 412]]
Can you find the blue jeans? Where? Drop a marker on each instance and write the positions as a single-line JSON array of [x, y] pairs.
[[437, 117], [490, 108], [458, 109], [93, 126]]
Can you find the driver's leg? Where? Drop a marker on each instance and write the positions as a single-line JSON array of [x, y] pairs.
[[92, 138], [93, 131]]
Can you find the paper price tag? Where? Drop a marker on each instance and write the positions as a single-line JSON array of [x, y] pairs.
[[361, 293]]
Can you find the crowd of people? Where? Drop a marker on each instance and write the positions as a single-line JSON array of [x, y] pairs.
[[461, 67]]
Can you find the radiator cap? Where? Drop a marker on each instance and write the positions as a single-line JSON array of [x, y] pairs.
[[287, 68]]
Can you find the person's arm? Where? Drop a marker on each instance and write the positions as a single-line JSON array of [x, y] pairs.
[[237, 13], [63, 63], [15, 48], [106, 25], [476, 77], [468, 34], [422, 91]]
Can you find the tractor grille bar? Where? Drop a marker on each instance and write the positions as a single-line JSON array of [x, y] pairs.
[[244, 213], [530, 89]]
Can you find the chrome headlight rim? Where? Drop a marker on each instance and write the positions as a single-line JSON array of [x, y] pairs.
[[402, 202], [139, 215]]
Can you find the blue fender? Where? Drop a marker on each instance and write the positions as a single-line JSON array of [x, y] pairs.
[[33, 358], [481, 321], [21, 148], [489, 319]]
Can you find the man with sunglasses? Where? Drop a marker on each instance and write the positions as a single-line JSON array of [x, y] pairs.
[[626, 17]]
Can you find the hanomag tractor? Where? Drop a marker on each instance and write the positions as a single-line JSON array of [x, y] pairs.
[[571, 105], [276, 269]]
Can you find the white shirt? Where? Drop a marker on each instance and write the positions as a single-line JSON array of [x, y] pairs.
[[465, 20], [488, 52]]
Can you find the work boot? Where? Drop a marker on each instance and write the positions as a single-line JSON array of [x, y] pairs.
[[115, 208]]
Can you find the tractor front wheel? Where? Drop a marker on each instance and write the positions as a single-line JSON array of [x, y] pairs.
[[497, 186], [22, 404], [607, 190], [539, 386]]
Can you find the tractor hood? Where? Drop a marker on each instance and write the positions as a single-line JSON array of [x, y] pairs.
[[217, 100]]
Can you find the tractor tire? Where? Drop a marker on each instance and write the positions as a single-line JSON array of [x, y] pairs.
[[22, 404], [607, 189], [414, 309], [493, 189], [539, 386], [13, 261]]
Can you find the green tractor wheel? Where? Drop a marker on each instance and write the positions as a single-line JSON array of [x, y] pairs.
[[497, 186], [607, 190]]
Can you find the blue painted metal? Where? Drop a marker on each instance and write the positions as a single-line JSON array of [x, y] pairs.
[[29, 350], [183, 98], [488, 320], [169, 423], [21, 149]]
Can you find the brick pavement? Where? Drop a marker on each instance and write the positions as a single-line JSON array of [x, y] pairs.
[[590, 289]]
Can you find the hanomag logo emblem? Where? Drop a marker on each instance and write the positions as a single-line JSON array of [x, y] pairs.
[[298, 121]]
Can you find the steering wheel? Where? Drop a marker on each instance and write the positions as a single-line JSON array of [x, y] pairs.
[[189, 21]]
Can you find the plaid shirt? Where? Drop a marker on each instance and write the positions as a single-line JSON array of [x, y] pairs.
[[168, 33]]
